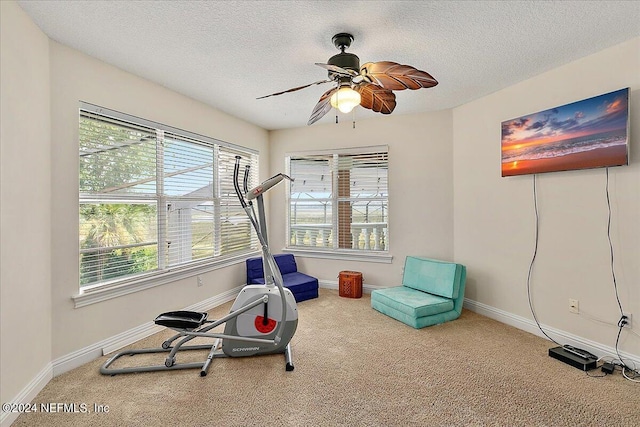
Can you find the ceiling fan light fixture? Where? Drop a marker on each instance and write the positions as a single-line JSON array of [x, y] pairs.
[[345, 99], [371, 85]]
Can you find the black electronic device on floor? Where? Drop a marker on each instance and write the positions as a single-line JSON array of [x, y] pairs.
[[575, 357]]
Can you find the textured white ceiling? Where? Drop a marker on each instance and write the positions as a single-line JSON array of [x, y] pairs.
[[227, 53]]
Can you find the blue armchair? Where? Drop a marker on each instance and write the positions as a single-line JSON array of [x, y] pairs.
[[302, 286]]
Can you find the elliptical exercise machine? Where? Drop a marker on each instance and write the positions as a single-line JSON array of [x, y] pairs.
[[262, 319]]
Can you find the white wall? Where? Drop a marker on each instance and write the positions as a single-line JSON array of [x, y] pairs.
[[420, 188], [75, 77], [494, 216], [25, 202]]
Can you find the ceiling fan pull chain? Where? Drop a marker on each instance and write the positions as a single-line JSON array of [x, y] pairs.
[[336, 118], [353, 117]]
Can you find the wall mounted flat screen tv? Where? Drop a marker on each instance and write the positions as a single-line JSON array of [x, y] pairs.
[[591, 133]]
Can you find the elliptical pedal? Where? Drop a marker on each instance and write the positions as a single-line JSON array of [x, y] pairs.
[[181, 320]]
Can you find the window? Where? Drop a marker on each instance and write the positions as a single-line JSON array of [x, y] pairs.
[[155, 199], [339, 201]]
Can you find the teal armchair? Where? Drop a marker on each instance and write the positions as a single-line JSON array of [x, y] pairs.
[[432, 292]]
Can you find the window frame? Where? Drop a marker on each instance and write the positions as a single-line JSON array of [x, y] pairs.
[[378, 256], [104, 290]]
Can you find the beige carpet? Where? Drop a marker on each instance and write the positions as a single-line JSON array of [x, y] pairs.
[[357, 367]]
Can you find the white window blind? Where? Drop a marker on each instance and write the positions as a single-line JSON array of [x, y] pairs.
[[339, 200], [187, 193], [236, 232], [154, 198]]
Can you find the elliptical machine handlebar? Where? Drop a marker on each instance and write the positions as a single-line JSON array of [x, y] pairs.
[[236, 184], [260, 228], [257, 191]]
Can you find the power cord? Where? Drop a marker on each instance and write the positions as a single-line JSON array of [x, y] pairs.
[[533, 259], [613, 272], [604, 374], [634, 372], [623, 319]]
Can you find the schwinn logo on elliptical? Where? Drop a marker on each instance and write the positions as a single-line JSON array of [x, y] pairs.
[[246, 349]]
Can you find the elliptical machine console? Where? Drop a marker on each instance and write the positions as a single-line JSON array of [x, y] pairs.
[[262, 319]]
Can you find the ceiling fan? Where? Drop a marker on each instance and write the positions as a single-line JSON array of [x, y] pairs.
[[369, 85]]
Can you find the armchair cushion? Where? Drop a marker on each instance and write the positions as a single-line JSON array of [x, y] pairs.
[[302, 286], [416, 304], [286, 263], [435, 277]]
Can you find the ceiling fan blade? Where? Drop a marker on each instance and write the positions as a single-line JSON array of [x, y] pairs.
[[322, 107], [376, 98], [296, 88], [394, 76], [338, 70]]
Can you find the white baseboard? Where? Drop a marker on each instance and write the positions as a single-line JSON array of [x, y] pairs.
[[27, 394], [530, 326]]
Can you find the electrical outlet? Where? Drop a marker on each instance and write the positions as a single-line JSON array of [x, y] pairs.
[[574, 306], [629, 319], [200, 283]]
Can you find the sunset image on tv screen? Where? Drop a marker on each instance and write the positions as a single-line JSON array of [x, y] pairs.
[[586, 134]]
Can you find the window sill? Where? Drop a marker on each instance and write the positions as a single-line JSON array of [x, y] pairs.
[[384, 258], [107, 292]]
